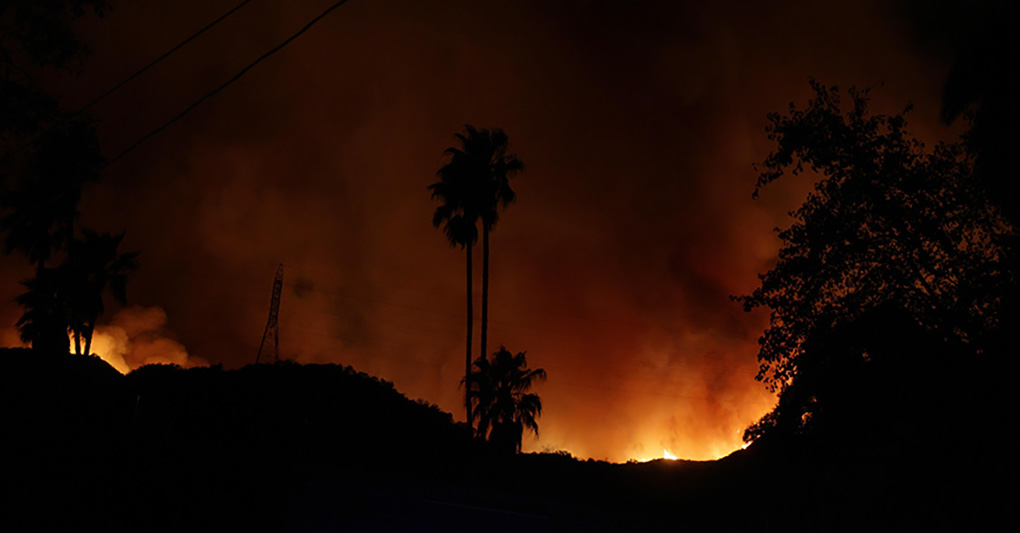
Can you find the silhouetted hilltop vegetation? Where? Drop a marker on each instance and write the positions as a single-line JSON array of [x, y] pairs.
[[288, 446], [323, 414], [165, 447]]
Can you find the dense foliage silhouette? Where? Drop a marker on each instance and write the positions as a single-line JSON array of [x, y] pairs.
[[885, 339], [888, 221], [46, 152]]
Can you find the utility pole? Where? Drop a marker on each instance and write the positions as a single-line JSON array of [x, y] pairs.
[[273, 324]]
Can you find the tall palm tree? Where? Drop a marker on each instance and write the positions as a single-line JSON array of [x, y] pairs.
[[495, 167], [504, 406], [94, 267], [459, 218]]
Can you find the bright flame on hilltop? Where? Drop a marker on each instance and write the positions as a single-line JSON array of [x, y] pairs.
[[667, 455], [137, 336]]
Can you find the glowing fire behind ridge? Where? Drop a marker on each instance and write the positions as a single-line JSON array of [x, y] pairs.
[[137, 336]]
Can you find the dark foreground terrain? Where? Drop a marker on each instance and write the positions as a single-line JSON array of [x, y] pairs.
[[294, 447]]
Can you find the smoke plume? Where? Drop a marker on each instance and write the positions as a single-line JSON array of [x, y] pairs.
[[639, 122], [137, 336]]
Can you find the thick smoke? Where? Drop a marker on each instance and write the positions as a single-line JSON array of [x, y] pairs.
[[639, 125], [137, 336]]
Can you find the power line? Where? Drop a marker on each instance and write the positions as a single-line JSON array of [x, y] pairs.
[[165, 55], [224, 85], [190, 108], [127, 80]]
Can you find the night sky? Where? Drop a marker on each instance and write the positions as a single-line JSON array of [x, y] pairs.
[[639, 126]]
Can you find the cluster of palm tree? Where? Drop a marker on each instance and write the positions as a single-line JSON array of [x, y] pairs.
[[70, 296], [473, 186], [38, 212]]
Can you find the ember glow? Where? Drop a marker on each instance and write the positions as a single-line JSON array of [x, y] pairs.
[[639, 125]]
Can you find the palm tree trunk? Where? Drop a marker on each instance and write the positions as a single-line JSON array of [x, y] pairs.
[[470, 324], [89, 329], [485, 288]]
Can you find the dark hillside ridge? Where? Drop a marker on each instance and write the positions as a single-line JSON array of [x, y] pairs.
[[323, 447], [164, 447]]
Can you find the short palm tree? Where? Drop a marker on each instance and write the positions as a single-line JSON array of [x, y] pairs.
[[499, 388]]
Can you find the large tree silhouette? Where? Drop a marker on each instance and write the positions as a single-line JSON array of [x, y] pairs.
[[474, 185], [504, 406], [46, 152], [41, 206], [46, 155], [35, 37], [888, 224]]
